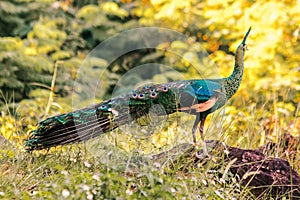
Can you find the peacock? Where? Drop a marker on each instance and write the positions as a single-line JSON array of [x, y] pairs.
[[198, 97]]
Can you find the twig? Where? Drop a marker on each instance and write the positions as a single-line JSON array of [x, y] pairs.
[[50, 101]]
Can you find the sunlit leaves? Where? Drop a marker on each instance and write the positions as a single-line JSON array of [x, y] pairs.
[[48, 35], [217, 27], [10, 43], [61, 55], [88, 12], [9, 130], [113, 8]]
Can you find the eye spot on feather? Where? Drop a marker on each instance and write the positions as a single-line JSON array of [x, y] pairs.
[[134, 95], [165, 89], [141, 96], [102, 107], [152, 90], [153, 95]]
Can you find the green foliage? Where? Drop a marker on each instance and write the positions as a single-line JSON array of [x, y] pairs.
[[18, 69], [17, 16], [27, 60]]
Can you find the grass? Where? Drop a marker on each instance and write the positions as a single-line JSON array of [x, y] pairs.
[[73, 172]]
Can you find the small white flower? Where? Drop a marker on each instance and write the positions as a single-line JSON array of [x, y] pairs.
[[2, 193], [219, 193], [94, 191], [222, 180], [65, 193], [227, 152], [173, 190], [96, 177], [88, 165], [85, 187], [204, 182], [89, 195], [64, 172], [160, 180], [157, 165], [129, 192]]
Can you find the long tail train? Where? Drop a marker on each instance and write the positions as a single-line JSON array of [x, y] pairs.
[[92, 121]]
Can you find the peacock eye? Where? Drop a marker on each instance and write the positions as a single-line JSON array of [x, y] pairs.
[[153, 95], [134, 95], [141, 96], [152, 90], [165, 89]]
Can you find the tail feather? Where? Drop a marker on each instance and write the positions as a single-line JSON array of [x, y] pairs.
[[72, 128], [95, 131], [95, 120], [69, 128]]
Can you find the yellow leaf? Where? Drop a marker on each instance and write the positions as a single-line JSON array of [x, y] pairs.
[[158, 2], [113, 8], [179, 45]]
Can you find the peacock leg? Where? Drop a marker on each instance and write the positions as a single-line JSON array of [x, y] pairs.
[[195, 127], [201, 128]]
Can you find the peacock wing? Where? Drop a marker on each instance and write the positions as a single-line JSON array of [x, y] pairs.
[[201, 95]]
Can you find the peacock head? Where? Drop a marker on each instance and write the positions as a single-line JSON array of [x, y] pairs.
[[242, 47]]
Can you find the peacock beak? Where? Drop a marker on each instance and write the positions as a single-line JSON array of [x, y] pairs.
[[246, 36]]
